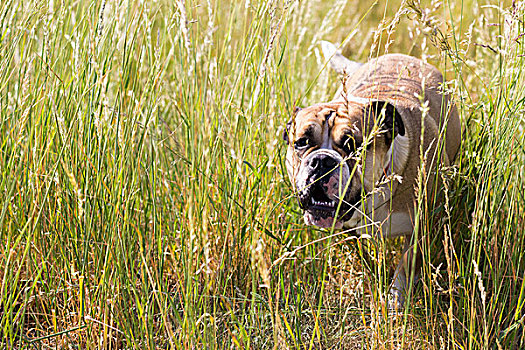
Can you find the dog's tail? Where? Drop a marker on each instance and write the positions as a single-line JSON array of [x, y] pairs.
[[338, 62]]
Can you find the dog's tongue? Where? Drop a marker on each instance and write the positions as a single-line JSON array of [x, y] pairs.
[[324, 222], [332, 187]]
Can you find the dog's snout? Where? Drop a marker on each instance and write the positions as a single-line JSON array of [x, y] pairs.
[[322, 162]]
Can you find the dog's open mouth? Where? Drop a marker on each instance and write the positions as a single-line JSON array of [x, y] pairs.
[[319, 201], [319, 208]]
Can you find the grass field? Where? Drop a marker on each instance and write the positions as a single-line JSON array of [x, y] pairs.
[[145, 203]]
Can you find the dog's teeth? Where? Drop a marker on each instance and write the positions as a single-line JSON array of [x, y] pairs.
[[329, 204]]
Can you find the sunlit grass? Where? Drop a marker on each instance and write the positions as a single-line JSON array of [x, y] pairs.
[[145, 202]]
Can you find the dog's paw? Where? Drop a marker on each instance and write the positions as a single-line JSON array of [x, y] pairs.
[[396, 302]]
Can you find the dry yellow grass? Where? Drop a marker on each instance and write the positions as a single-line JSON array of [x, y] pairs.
[[145, 203]]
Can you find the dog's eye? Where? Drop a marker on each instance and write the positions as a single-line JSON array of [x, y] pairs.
[[301, 143]]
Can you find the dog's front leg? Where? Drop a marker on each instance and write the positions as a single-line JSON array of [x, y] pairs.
[[406, 274]]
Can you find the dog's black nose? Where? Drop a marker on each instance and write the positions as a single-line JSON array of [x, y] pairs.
[[322, 162]]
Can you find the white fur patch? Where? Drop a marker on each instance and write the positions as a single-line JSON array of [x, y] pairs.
[[397, 156], [383, 220], [397, 224], [327, 140], [341, 97]]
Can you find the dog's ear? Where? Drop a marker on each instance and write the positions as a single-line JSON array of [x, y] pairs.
[[338, 62], [392, 123], [289, 124]]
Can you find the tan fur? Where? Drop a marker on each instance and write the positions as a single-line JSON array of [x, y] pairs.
[[414, 89], [398, 79]]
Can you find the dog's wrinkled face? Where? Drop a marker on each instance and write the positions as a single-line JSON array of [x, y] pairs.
[[336, 154]]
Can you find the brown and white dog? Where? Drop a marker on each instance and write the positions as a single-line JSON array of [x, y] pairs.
[[354, 162]]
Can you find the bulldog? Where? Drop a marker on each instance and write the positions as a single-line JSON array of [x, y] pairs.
[[357, 161]]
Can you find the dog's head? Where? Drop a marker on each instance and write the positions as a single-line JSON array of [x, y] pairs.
[[336, 153]]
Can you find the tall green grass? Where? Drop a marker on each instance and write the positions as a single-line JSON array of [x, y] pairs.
[[145, 202]]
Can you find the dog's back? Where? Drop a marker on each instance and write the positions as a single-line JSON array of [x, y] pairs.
[[406, 82]]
